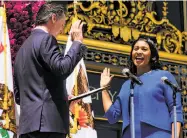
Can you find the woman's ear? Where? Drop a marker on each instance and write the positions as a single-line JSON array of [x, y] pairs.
[[53, 18]]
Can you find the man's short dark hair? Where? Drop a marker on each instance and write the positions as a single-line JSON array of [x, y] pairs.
[[46, 10]]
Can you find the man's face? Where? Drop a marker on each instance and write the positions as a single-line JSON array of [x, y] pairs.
[[57, 25]]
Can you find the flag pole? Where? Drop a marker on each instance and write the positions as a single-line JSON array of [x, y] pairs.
[[75, 11], [74, 129]]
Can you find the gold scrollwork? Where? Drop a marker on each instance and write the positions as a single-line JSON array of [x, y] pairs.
[[123, 21], [184, 36]]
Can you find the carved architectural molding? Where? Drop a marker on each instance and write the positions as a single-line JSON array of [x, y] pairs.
[[122, 22]]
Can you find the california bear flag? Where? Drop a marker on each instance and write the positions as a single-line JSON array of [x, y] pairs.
[[81, 117], [7, 106]]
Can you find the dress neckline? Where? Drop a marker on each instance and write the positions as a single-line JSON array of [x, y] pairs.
[[146, 73]]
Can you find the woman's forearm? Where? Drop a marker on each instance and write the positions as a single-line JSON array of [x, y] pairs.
[[178, 129], [106, 100]]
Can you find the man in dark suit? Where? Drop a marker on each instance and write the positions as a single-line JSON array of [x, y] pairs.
[[40, 72]]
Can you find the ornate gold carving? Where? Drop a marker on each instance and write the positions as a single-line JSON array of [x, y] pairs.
[[122, 22], [184, 36], [183, 84], [165, 12], [124, 49]]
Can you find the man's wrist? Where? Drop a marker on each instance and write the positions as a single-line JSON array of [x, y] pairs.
[[78, 41]]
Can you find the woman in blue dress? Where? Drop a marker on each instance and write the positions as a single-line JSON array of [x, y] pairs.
[[153, 101]]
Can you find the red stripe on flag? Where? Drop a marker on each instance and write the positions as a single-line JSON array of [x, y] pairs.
[[1, 48]]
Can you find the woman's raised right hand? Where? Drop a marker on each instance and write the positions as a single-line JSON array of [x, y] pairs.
[[105, 77]]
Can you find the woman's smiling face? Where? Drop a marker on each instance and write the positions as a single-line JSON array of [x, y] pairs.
[[141, 54]]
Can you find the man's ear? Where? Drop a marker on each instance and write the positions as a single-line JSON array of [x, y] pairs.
[[53, 18]]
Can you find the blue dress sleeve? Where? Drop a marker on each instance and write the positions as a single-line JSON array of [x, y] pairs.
[[113, 114], [169, 100]]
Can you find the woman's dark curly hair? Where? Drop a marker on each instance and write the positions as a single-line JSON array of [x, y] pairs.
[[154, 60]]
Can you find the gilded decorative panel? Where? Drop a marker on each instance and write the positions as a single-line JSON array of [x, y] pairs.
[[122, 22]]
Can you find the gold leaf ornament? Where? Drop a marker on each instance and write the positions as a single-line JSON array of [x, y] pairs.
[[115, 30], [125, 33]]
